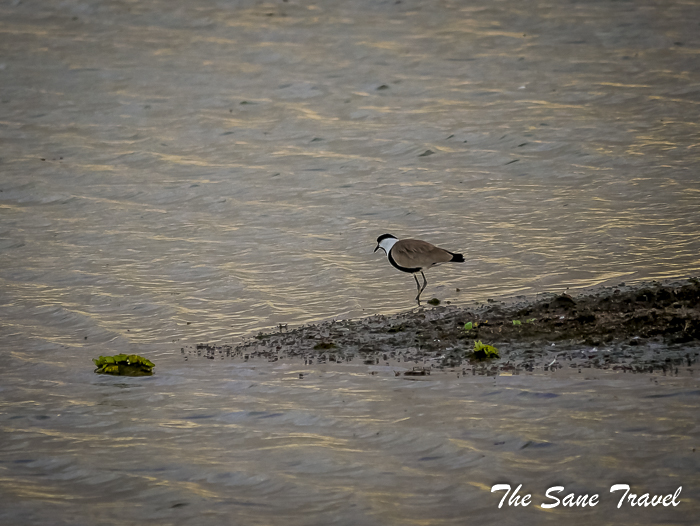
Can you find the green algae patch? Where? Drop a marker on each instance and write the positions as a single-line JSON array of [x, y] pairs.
[[124, 365], [484, 352]]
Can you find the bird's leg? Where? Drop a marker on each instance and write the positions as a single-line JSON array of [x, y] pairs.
[[425, 283], [417, 288]]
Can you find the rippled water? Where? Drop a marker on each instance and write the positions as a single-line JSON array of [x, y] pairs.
[[235, 443], [175, 172]]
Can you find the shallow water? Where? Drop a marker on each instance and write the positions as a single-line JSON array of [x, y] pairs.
[[177, 172], [252, 443]]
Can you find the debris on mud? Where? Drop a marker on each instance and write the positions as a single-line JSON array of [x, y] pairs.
[[651, 327], [484, 352]]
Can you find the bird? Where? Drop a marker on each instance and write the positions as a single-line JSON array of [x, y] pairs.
[[414, 256]]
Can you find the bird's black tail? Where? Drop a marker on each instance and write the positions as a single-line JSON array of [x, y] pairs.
[[457, 258]]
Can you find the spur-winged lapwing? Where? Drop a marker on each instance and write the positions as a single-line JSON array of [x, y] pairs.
[[414, 256]]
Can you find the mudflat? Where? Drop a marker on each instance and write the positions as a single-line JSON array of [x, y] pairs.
[[646, 327]]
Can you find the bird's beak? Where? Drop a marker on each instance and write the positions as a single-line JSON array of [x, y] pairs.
[[376, 248]]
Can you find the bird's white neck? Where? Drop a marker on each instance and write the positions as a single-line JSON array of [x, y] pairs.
[[387, 243]]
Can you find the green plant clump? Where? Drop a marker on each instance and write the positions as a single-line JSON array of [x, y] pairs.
[[124, 365], [484, 352]]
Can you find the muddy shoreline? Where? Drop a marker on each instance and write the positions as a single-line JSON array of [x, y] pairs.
[[649, 327]]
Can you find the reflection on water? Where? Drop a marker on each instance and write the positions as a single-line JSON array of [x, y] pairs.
[[193, 171]]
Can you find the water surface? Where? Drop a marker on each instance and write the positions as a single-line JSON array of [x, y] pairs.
[[176, 172], [252, 443]]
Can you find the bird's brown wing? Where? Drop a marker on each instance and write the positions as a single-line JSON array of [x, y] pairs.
[[414, 253]]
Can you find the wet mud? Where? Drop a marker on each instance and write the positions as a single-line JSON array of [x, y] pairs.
[[646, 328]]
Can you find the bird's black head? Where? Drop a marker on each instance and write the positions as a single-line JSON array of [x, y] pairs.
[[385, 236]]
